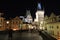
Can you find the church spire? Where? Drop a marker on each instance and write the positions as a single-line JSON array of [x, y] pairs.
[[39, 6], [28, 12]]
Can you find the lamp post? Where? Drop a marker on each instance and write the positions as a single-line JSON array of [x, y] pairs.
[[7, 23]]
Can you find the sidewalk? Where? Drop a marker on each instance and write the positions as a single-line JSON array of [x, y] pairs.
[[55, 36], [48, 35]]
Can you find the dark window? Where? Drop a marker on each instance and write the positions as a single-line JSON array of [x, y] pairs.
[[0, 25], [0, 20], [52, 27], [57, 27], [52, 32], [45, 28]]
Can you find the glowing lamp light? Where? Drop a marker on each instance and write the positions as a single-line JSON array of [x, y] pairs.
[[7, 22], [36, 20], [31, 27], [41, 22], [14, 29], [41, 28]]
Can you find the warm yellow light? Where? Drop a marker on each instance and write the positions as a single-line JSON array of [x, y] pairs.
[[41, 22], [31, 27], [41, 28], [14, 29], [36, 20], [40, 13], [7, 22]]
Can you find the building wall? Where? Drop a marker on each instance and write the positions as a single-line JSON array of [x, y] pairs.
[[15, 23], [52, 25], [2, 26], [40, 18]]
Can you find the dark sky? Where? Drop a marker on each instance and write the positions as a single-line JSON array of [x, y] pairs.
[[18, 7]]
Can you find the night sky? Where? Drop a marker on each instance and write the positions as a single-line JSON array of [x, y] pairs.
[[19, 7]]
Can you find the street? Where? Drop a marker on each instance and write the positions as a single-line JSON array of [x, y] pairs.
[[46, 36], [25, 36], [21, 36]]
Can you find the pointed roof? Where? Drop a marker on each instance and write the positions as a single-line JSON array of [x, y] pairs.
[[39, 6], [46, 17], [28, 12], [52, 15]]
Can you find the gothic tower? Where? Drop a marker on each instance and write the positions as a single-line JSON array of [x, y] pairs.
[[39, 15], [28, 16]]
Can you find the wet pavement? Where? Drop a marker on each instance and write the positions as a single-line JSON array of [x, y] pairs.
[[46, 36], [21, 36], [26, 36]]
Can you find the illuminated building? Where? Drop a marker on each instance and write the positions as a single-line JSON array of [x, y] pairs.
[[39, 16], [52, 24], [28, 18], [2, 26], [2, 23], [16, 23]]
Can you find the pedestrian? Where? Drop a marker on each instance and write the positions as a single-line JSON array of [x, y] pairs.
[[10, 34]]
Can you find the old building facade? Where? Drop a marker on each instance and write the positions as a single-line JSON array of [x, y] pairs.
[[14, 23], [2, 23], [52, 24]]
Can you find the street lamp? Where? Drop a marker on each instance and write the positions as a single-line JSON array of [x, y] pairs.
[[7, 22]]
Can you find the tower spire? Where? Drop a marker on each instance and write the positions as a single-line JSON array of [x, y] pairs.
[[28, 12], [39, 6]]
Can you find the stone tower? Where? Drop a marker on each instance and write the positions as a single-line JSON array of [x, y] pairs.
[[40, 16]]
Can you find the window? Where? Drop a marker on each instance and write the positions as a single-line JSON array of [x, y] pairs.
[[0, 20], [0, 25], [52, 27], [45, 28], [52, 32], [57, 27]]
